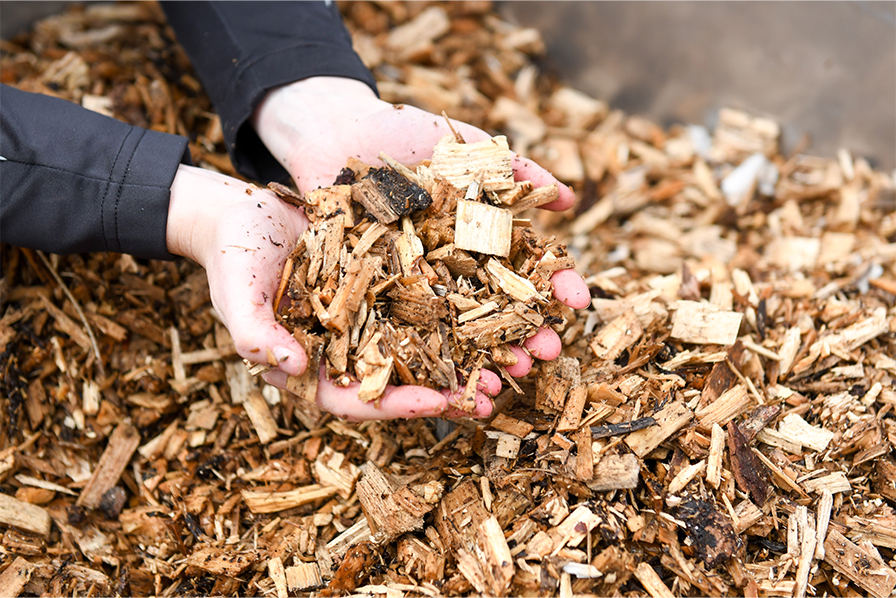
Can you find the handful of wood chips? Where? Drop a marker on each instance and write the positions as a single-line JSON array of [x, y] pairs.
[[420, 276]]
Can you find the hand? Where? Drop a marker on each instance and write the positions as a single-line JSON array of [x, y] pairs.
[[406, 401], [312, 127], [241, 235]]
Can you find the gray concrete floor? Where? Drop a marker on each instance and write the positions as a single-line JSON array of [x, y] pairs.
[[823, 69]]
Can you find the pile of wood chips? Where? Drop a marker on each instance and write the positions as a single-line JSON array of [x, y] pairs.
[[721, 423], [430, 309]]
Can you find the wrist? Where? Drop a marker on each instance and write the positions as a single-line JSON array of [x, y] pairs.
[[193, 203], [292, 115]]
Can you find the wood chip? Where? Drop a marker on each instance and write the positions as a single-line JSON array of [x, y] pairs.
[[615, 472], [272, 502], [866, 569], [483, 228], [122, 444], [669, 421], [486, 162], [221, 561], [703, 323], [780, 288], [617, 336], [392, 510], [260, 415], [652, 582], [511, 425], [14, 577], [278, 575], [303, 576]]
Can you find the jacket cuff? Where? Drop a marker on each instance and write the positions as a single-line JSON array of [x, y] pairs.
[[136, 218], [249, 155]]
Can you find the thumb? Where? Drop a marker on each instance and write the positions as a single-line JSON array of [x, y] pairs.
[[246, 310], [259, 338]]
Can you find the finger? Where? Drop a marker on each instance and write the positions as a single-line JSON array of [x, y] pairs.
[[488, 386], [527, 170], [398, 402], [570, 289], [275, 378], [260, 339], [489, 382], [545, 345], [483, 408], [523, 363]]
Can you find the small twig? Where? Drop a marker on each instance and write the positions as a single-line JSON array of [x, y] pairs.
[[284, 282], [457, 136], [623, 428], [746, 381], [81, 314]]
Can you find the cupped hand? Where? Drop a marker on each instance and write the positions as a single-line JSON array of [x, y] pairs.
[[242, 236], [313, 126]]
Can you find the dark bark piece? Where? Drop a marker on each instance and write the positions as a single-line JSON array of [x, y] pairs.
[[721, 378], [387, 195], [623, 428], [750, 474], [346, 176], [711, 533], [758, 419], [113, 501]]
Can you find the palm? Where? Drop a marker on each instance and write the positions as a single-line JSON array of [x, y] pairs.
[[251, 248], [404, 133]]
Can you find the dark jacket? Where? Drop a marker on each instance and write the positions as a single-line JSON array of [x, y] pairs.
[[72, 180]]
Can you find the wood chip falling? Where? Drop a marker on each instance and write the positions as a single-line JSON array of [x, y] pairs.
[[726, 399]]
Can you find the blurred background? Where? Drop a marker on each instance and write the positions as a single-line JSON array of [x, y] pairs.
[[822, 69], [826, 71]]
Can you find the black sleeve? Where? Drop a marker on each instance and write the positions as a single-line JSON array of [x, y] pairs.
[[242, 49], [73, 181]]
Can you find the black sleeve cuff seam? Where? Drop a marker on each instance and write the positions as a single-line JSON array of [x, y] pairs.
[[121, 187], [109, 185]]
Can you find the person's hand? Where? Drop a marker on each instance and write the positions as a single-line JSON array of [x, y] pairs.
[[313, 126], [241, 235], [405, 402]]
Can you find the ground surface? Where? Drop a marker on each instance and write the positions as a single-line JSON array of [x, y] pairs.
[[722, 422]]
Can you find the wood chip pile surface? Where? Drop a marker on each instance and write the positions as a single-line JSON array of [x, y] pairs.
[[721, 423]]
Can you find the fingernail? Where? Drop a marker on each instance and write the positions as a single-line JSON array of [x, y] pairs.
[[285, 357]]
